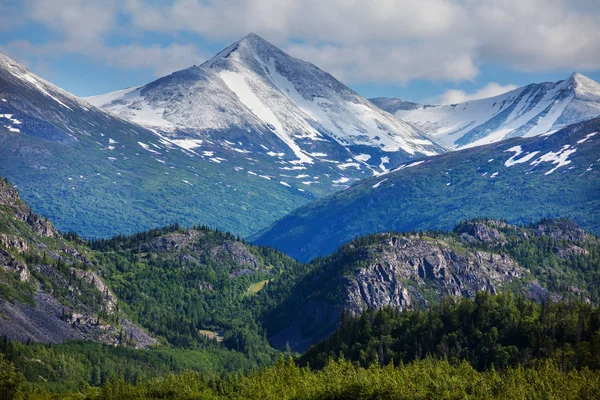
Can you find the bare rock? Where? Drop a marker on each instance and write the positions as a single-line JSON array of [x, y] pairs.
[[403, 264]]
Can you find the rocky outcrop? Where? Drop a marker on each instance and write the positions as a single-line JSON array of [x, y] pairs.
[[175, 241], [14, 242], [479, 231], [561, 229], [9, 197], [110, 301], [10, 263], [570, 251], [237, 252], [400, 267]]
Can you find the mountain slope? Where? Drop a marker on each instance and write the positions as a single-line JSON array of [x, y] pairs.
[[521, 180], [293, 121], [527, 111], [413, 270], [100, 175], [47, 291]]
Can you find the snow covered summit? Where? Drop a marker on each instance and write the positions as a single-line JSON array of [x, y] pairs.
[[531, 110], [277, 110]]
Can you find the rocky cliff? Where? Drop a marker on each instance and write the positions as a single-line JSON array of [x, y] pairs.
[[48, 292], [411, 270]]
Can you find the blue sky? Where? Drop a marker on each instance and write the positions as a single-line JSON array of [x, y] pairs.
[[426, 51]]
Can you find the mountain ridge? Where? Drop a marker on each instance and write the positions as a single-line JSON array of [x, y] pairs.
[[519, 179], [268, 103], [100, 175], [530, 110]]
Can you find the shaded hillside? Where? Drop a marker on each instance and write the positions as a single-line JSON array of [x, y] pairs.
[[521, 180], [48, 292], [551, 259]]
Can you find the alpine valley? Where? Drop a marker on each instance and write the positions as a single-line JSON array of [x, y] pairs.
[[176, 299], [251, 228]]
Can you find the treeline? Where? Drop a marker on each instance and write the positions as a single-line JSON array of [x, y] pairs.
[[423, 379], [491, 331], [75, 366]]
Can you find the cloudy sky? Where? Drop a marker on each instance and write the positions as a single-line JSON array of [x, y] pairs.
[[420, 50]]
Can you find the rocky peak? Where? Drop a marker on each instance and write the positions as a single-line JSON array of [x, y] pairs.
[[175, 241], [561, 229], [479, 231]]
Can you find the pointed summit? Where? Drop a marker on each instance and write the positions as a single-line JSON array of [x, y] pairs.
[[246, 50], [252, 37], [585, 88]]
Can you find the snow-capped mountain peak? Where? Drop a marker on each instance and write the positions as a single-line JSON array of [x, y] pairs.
[[255, 95], [530, 110], [584, 87]]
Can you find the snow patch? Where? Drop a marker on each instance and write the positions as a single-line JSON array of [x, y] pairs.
[[560, 158], [587, 137]]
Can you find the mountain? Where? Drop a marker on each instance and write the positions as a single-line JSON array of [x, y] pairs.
[[520, 180], [548, 259], [99, 175], [47, 291], [255, 108], [185, 287], [531, 110]]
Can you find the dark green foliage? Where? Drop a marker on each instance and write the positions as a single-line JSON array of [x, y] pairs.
[[73, 366], [11, 381], [489, 332], [424, 379], [176, 293]]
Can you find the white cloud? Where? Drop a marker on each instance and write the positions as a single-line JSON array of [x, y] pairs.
[[398, 40], [454, 96], [382, 63], [83, 27], [358, 41], [162, 60]]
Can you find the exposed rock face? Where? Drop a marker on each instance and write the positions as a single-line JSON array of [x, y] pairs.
[[44, 314], [570, 251], [479, 231], [175, 241], [561, 229], [14, 242], [403, 266], [10, 263], [191, 241], [237, 252], [110, 301], [9, 197]]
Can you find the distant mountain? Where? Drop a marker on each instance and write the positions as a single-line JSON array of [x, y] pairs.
[[293, 122], [527, 111], [100, 175], [520, 179], [549, 259]]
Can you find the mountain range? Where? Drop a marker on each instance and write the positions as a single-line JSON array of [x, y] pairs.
[[284, 114], [235, 143], [530, 110], [520, 180], [202, 289]]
